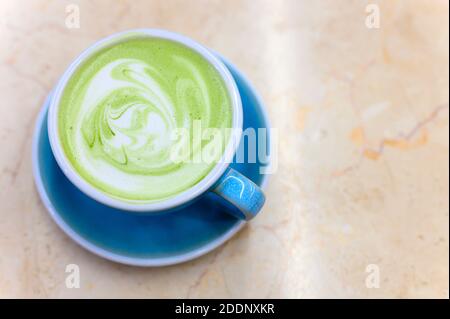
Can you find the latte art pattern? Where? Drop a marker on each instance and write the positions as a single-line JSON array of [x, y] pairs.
[[120, 109], [130, 123]]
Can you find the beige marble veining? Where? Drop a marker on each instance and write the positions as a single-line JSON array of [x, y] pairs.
[[363, 158]]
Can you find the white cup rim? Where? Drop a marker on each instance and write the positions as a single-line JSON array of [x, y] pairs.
[[186, 196]]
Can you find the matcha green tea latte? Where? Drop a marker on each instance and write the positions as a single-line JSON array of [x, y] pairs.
[[119, 111]]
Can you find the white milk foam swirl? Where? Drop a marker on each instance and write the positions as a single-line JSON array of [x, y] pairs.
[[122, 132]]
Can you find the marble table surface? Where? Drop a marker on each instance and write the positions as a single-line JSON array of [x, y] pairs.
[[361, 107]]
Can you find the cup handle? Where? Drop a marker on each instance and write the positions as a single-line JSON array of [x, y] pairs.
[[241, 192]]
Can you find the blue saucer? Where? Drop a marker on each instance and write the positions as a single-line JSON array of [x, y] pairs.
[[142, 240]]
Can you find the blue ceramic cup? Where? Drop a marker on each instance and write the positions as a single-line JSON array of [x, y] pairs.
[[226, 182]]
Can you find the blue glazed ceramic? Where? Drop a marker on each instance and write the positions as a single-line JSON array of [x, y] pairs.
[[140, 239]]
